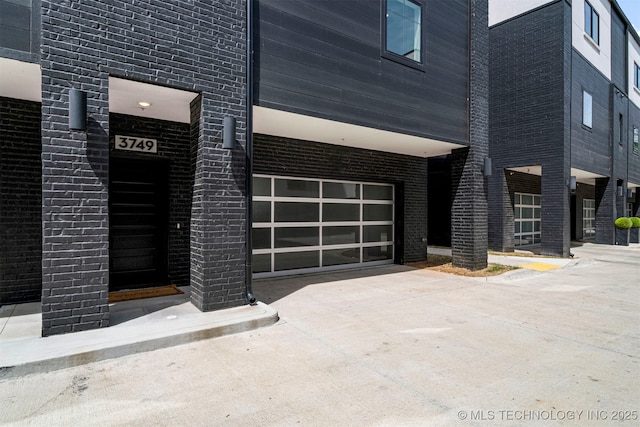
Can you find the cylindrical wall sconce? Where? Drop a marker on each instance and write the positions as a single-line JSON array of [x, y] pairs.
[[229, 133], [77, 110], [486, 166]]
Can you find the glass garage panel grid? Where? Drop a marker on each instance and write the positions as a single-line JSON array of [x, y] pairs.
[[304, 225], [588, 218], [528, 220]]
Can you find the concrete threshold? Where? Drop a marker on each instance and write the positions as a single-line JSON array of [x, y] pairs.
[[137, 326]]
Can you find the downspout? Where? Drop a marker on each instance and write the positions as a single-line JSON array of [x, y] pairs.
[[249, 152]]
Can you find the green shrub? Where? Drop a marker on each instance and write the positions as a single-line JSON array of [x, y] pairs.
[[635, 222], [623, 223]]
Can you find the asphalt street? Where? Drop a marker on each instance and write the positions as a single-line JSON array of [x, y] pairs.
[[383, 347]]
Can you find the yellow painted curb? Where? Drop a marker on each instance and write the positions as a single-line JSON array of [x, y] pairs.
[[540, 266]]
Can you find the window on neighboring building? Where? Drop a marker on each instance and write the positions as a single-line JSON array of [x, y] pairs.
[[591, 22], [587, 109], [588, 218], [636, 75], [403, 30], [620, 129], [635, 140]]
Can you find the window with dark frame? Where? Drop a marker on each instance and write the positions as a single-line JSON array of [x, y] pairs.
[[636, 75], [621, 129], [591, 22], [636, 143], [587, 109], [403, 31]]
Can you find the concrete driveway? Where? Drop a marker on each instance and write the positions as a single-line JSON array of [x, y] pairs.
[[386, 346]]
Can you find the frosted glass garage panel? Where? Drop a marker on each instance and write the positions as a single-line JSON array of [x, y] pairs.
[[377, 192], [296, 236], [377, 212], [340, 235], [261, 186], [377, 253], [297, 260], [340, 256], [296, 212], [334, 212], [261, 263], [261, 238], [377, 233], [261, 211], [297, 188], [340, 190]]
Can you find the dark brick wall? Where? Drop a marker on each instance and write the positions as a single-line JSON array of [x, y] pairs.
[[195, 45], [174, 144], [469, 209], [20, 201], [529, 112], [289, 157]]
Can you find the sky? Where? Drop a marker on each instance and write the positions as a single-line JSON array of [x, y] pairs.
[[631, 8]]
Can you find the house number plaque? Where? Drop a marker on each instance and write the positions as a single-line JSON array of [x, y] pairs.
[[132, 143]]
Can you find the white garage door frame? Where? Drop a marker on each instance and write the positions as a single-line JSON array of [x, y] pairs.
[[305, 225]]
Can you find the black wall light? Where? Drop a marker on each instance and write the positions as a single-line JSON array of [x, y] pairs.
[[487, 166], [573, 184], [229, 133], [77, 110]]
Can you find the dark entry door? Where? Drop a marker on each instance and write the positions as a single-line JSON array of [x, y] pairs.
[[138, 205]]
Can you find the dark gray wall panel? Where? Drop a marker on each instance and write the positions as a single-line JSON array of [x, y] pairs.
[[323, 58], [590, 148]]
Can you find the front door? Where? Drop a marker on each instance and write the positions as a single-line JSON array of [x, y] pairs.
[[138, 215]]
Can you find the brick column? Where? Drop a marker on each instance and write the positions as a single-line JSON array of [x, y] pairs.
[[469, 230], [605, 211], [556, 220], [218, 211], [75, 191], [501, 218]]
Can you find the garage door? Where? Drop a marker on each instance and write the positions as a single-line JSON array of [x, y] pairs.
[[304, 225], [528, 221]]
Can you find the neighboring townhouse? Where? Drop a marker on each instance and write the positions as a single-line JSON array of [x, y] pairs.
[[564, 119], [128, 131]]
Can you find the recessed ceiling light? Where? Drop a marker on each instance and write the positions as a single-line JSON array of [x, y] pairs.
[[144, 104]]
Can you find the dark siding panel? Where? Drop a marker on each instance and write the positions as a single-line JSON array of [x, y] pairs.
[[324, 59], [590, 148], [618, 52], [634, 158]]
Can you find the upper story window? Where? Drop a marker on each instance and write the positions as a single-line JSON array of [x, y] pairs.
[[636, 75], [403, 29], [591, 22], [636, 143], [587, 109]]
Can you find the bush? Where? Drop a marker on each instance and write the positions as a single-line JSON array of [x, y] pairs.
[[635, 222], [623, 223]]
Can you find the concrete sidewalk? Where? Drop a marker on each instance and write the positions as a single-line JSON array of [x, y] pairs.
[[136, 326]]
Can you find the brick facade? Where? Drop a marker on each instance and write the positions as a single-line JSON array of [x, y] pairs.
[[290, 157], [530, 123], [193, 45], [20, 201]]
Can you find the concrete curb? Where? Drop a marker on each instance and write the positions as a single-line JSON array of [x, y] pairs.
[[35, 355]]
